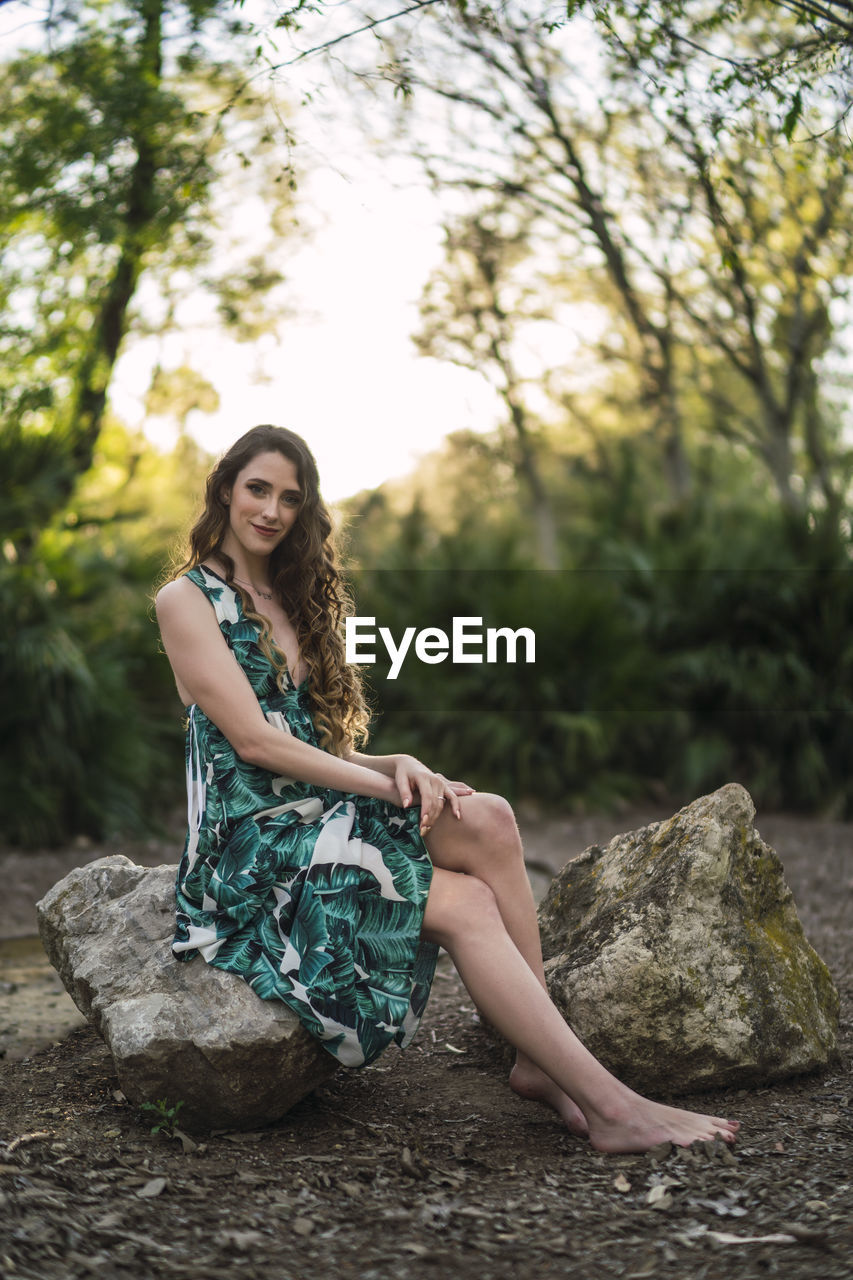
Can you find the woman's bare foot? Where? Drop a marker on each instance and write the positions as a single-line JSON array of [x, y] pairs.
[[531, 1083], [642, 1124]]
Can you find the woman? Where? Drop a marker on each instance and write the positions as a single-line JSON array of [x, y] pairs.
[[327, 877]]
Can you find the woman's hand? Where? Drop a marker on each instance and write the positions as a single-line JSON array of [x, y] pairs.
[[433, 790]]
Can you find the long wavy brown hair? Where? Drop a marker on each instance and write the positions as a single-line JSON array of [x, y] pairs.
[[305, 579]]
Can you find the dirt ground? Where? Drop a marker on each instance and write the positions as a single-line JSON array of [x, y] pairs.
[[424, 1165]]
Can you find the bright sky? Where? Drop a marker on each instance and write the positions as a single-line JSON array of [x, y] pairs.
[[344, 373]]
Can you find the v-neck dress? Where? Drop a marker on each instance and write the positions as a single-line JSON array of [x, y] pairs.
[[314, 896]]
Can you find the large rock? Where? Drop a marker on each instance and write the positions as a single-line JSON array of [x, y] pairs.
[[176, 1030], [678, 957]]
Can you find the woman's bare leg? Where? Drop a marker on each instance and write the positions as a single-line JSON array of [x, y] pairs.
[[486, 843], [463, 916]]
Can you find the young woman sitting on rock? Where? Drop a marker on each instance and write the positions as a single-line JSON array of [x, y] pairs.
[[328, 878]]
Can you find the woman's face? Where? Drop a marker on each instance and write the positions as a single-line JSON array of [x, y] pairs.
[[263, 504]]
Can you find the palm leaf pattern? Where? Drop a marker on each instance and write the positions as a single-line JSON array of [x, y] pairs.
[[320, 906]]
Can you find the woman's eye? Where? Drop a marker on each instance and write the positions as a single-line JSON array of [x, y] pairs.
[[255, 488], [292, 500]]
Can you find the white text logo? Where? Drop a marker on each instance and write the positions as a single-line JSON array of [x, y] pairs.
[[465, 644]]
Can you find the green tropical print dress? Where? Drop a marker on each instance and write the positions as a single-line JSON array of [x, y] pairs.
[[314, 896]]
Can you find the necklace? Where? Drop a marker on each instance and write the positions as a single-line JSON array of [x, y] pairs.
[[265, 595]]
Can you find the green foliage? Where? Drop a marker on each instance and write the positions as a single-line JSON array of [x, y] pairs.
[[709, 256], [759, 665], [678, 650], [697, 463], [88, 713], [696, 632], [123, 145], [557, 731], [165, 1115], [742, 50]]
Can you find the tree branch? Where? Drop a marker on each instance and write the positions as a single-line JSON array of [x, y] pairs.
[[356, 31]]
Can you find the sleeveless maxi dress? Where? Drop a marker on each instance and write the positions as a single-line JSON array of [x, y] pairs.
[[314, 896]]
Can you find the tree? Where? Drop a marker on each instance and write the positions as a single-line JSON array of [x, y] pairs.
[[125, 135], [714, 250], [746, 50], [116, 133], [470, 312]]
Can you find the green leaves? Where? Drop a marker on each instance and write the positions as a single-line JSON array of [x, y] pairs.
[[793, 115], [164, 1114]]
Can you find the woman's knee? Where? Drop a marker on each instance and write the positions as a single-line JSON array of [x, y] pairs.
[[458, 905], [501, 816], [495, 826], [485, 840]]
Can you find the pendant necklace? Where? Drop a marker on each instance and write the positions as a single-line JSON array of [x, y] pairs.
[[265, 595]]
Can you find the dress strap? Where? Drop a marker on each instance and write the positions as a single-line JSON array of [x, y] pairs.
[[225, 600]]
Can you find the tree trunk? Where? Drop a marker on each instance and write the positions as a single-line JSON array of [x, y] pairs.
[[89, 397], [543, 514]]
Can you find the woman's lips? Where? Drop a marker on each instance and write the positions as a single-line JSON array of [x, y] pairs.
[[265, 533]]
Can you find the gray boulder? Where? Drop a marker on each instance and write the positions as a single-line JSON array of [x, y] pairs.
[[176, 1030], [677, 955]]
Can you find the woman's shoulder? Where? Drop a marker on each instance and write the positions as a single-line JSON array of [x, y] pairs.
[[200, 578], [176, 590], [182, 595], [195, 591]]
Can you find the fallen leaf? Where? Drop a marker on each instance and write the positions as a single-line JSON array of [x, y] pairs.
[[452, 1048], [152, 1189], [186, 1142], [109, 1222], [408, 1162], [242, 1240], [722, 1208], [659, 1198], [807, 1235], [621, 1183], [26, 1138], [302, 1226], [776, 1237], [112, 1133]]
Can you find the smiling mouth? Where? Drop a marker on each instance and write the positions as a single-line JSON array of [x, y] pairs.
[[267, 533]]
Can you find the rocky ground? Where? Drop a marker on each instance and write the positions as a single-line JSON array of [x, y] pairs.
[[424, 1165]]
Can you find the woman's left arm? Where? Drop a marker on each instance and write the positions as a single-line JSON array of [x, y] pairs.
[[411, 776]]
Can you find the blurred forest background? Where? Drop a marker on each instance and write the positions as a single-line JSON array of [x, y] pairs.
[[667, 501]]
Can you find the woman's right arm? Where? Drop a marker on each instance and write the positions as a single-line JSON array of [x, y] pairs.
[[207, 671]]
